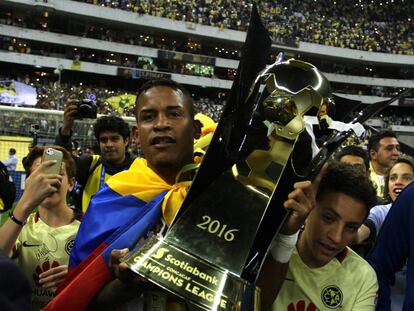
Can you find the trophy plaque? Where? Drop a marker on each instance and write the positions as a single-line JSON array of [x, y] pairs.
[[213, 251]]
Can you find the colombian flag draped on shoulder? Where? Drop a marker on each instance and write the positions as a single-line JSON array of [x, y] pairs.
[[126, 208]]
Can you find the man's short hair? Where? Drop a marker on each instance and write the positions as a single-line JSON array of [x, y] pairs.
[[401, 159], [354, 151], [12, 151], [349, 180], [169, 83], [37, 152], [111, 124], [374, 140]]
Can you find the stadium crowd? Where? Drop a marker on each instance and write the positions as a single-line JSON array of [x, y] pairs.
[[52, 95], [378, 26], [111, 34], [48, 98]]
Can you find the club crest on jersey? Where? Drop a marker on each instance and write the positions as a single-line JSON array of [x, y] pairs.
[[69, 246], [332, 297]]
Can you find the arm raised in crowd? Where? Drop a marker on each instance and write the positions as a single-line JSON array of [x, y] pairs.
[[38, 187], [300, 202], [64, 136]]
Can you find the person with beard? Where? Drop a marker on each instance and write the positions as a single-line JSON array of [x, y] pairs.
[[384, 149], [113, 135]]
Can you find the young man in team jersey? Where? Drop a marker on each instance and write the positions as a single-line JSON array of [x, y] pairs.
[[41, 241], [322, 272], [113, 135]]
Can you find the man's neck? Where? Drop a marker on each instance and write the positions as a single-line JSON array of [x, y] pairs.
[[57, 216], [305, 254], [378, 168], [170, 175], [117, 163]]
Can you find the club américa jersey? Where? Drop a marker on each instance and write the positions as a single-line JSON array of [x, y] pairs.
[[39, 248], [346, 283]]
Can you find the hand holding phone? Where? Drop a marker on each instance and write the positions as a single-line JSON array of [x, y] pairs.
[[43, 181], [53, 154]]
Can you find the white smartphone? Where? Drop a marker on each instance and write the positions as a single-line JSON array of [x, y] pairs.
[[53, 154]]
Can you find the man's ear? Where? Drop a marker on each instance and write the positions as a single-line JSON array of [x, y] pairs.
[[127, 141], [372, 154], [135, 134], [197, 129]]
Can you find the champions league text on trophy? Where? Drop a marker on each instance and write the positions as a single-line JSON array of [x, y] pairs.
[[208, 249]]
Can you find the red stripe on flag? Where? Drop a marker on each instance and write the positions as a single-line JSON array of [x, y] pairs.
[[82, 287], [75, 271]]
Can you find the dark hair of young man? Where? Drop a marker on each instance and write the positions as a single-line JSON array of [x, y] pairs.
[[374, 140], [349, 180], [111, 124], [37, 152], [169, 83], [354, 151]]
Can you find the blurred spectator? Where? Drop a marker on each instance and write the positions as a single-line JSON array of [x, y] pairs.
[[11, 161], [75, 148], [89, 151], [354, 155], [7, 189]]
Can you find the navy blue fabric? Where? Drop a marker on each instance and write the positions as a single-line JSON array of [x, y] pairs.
[[395, 247], [15, 291]]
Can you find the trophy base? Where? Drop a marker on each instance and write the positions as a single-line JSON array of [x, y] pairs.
[[192, 279]]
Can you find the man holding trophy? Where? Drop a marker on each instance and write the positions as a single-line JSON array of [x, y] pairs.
[[220, 231]]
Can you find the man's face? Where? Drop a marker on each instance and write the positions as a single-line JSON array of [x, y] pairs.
[[165, 128], [354, 160], [330, 227], [388, 152], [112, 146]]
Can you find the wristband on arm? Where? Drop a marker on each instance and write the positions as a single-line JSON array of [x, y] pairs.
[[282, 247], [15, 220]]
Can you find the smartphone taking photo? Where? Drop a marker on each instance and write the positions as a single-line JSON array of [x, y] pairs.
[[53, 154]]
